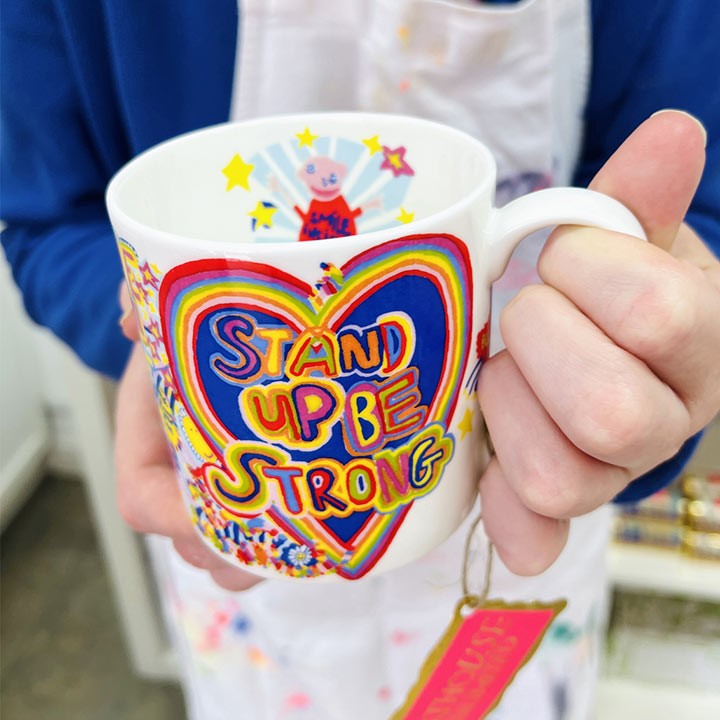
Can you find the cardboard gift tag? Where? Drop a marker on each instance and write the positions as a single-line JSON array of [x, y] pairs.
[[467, 672]]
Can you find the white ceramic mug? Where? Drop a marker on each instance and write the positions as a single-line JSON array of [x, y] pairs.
[[319, 396]]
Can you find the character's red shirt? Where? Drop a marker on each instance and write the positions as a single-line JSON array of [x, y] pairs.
[[327, 219]]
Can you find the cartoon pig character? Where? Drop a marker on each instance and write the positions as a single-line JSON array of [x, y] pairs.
[[328, 215]]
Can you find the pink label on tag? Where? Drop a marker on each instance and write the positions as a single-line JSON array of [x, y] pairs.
[[488, 649]]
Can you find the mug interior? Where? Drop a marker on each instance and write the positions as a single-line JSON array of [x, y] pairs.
[[311, 177]]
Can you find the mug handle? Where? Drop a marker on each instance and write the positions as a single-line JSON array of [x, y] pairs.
[[508, 225]]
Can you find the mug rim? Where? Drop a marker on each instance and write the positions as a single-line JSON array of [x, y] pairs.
[[219, 247]]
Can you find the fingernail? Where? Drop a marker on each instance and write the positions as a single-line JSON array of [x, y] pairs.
[[692, 117]]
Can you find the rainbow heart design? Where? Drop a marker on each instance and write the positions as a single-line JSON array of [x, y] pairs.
[[330, 415]]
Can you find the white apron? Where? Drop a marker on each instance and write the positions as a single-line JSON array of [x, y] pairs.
[[516, 77]]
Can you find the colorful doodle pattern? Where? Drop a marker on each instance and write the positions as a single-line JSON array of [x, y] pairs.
[[306, 419]]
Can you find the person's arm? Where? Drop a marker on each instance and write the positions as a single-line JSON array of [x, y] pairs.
[[62, 139], [650, 55], [55, 165], [86, 86]]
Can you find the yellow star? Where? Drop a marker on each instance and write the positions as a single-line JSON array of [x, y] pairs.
[[306, 138], [263, 214], [373, 145], [465, 425], [405, 217], [237, 172], [402, 33]]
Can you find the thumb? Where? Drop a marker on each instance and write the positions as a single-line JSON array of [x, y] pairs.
[[656, 171]]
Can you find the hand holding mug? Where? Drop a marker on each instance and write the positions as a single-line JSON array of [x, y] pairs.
[[149, 497], [612, 363]]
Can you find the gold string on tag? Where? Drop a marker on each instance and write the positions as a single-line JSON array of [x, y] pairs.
[[469, 600]]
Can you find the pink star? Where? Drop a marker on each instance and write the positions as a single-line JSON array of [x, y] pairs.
[[147, 276], [154, 329], [141, 294], [394, 160], [152, 346], [167, 376], [152, 341]]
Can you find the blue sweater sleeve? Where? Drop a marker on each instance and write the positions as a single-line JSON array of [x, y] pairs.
[[54, 170], [649, 55], [86, 86]]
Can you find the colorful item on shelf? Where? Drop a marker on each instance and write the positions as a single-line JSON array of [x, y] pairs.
[[684, 516]]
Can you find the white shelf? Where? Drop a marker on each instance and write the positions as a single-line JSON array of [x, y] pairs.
[[664, 572], [621, 699]]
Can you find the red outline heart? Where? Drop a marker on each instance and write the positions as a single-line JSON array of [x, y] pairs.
[[189, 274]]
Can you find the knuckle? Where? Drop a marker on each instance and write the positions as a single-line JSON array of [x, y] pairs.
[[665, 313], [491, 376], [561, 249], [527, 297], [613, 422], [551, 495], [528, 293]]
